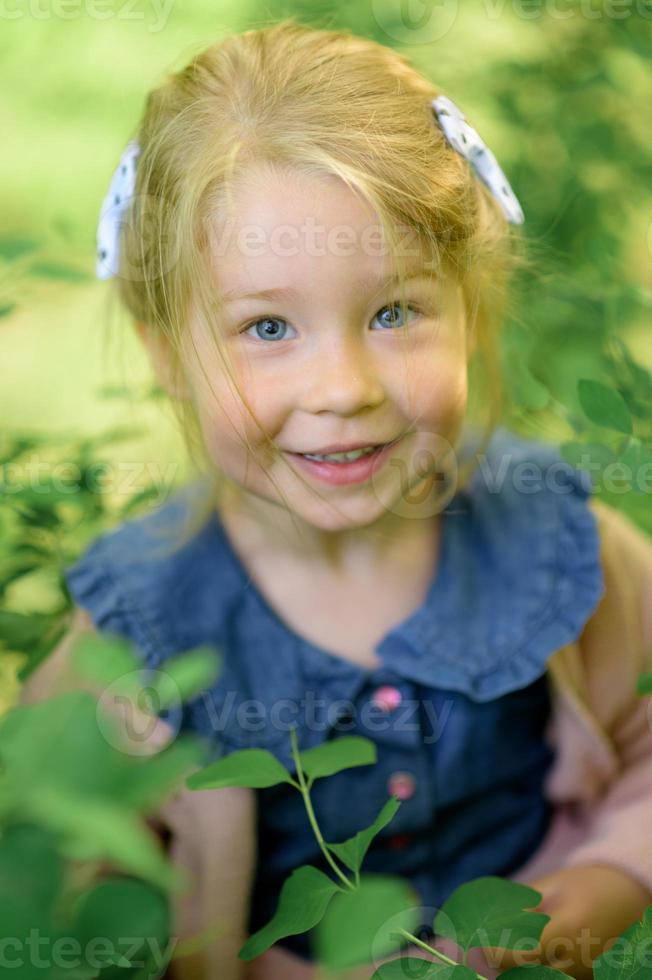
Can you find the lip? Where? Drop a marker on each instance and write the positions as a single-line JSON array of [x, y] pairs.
[[342, 474]]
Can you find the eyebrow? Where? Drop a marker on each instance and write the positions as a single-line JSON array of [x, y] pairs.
[[284, 292]]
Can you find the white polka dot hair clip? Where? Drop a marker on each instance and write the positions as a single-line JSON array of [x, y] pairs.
[[116, 200], [472, 147]]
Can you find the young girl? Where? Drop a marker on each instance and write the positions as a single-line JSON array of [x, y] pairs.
[[313, 243]]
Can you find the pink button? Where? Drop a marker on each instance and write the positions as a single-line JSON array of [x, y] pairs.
[[401, 784], [387, 698]]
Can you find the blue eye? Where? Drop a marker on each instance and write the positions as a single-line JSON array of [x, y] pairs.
[[269, 334], [392, 321], [272, 333]]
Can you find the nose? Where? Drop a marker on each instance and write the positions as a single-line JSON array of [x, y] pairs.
[[342, 377]]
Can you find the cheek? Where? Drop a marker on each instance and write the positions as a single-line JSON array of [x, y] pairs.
[[440, 395], [236, 417]]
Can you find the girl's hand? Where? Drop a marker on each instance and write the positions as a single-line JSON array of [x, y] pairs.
[[589, 907]]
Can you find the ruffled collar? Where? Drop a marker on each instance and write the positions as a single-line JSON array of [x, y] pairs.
[[518, 576]]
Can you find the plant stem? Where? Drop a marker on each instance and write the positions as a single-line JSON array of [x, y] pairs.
[[435, 952], [311, 813]]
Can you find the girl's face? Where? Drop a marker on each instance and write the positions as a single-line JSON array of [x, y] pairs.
[[323, 357]]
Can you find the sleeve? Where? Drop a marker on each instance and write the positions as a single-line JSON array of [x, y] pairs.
[[92, 584], [616, 646]]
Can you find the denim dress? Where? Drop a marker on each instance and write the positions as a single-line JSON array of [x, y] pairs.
[[458, 708]]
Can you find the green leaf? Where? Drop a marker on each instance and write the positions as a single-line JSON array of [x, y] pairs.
[[20, 631], [644, 684], [94, 830], [48, 494], [256, 768], [344, 752], [28, 855], [31, 876], [130, 915], [603, 405], [304, 898], [103, 659], [481, 912], [7, 308], [629, 957], [58, 744], [363, 924], [413, 968], [183, 676], [352, 851], [147, 784]]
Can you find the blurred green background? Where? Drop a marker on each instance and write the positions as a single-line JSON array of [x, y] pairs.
[[561, 92]]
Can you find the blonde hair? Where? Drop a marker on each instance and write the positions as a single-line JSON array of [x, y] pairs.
[[319, 102]]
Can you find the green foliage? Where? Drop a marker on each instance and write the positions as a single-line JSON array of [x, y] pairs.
[[64, 769], [79, 932], [184, 676], [351, 852], [354, 921], [604, 405], [124, 907], [71, 799], [369, 917], [629, 958], [341, 753], [478, 913], [256, 768], [303, 900], [644, 684]]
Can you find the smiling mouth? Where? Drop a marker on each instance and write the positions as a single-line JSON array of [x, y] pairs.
[[359, 452]]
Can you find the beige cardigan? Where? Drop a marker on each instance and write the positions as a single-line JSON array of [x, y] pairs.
[[600, 781]]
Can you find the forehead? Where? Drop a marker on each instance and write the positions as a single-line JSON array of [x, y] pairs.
[[288, 227]]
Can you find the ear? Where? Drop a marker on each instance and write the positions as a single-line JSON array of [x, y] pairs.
[[161, 358]]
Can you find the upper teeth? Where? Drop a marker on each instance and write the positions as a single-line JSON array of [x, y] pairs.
[[354, 454]]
